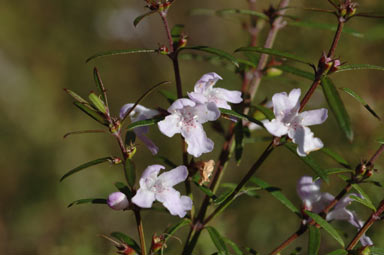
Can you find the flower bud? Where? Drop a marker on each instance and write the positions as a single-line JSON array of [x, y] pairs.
[[157, 243], [273, 72], [118, 201], [97, 102], [163, 50]]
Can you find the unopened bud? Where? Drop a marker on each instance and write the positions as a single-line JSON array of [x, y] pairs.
[[364, 251], [116, 161], [97, 102], [182, 42], [163, 50], [273, 72], [157, 243], [131, 151], [118, 201]]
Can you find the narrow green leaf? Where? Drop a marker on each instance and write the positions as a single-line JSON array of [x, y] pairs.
[[126, 239], [143, 123], [297, 72], [366, 200], [119, 52], [376, 251], [176, 32], [266, 111], [381, 140], [205, 190], [338, 252], [221, 198], [236, 249], [242, 11], [319, 171], [202, 11], [76, 96], [123, 188], [214, 51], [274, 52], [97, 102], [276, 193], [130, 172], [337, 107], [166, 161], [363, 202], [324, 26], [92, 113], [361, 100], [239, 136], [88, 201], [240, 116], [337, 157], [86, 165], [99, 84], [353, 67], [217, 240], [326, 226], [330, 171], [314, 240], [130, 138], [171, 97], [172, 229], [141, 17]]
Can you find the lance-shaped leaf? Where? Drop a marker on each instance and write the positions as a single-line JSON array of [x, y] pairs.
[[314, 240], [88, 201], [100, 85], [166, 161], [240, 116], [123, 188], [84, 132], [309, 161], [381, 140], [86, 165], [214, 51], [76, 96], [326, 226], [171, 97], [203, 188], [365, 200], [353, 67], [276, 193], [92, 113], [119, 52], [235, 248], [275, 53], [143, 123], [337, 107], [130, 172], [297, 72], [172, 229], [330, 171], [338, 158], [376, 251], [217, 240], [361, 100], [338, 252], [324, 26], [126, 239], [242, 11], [239, 146], [141, 17], [266, 111], [176, 32]]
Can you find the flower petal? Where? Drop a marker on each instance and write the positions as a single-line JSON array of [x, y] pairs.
[[324, 201], [151, 171], [197, 140], [294, 97], [206, 112], [170, 125], [144, 198], [314, 117], [174, 176], [286, 107], [180, 104], [176, 204], [305, 140], [139, 113], [124, 110], [276, 127], [117, 201], [308, 190], [206, 81], [148, 143]]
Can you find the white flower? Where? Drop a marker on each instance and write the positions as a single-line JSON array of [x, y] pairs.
[[289, 121], [141, 113], [204, 92], [160, 188], [118, 201], [186, 117], [316, 201]]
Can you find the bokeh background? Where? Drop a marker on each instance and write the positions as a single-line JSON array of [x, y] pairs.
[[43, 47]]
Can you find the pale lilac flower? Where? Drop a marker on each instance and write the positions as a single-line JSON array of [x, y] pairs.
[[289, 121], [315, 201], [141, 113], [204, 92], [118, 201], [160, 187], [186, 117]]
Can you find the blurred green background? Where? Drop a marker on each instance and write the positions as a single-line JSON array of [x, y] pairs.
[[43, 47]]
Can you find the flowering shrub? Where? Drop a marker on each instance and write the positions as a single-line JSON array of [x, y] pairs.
[[283, 118]]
